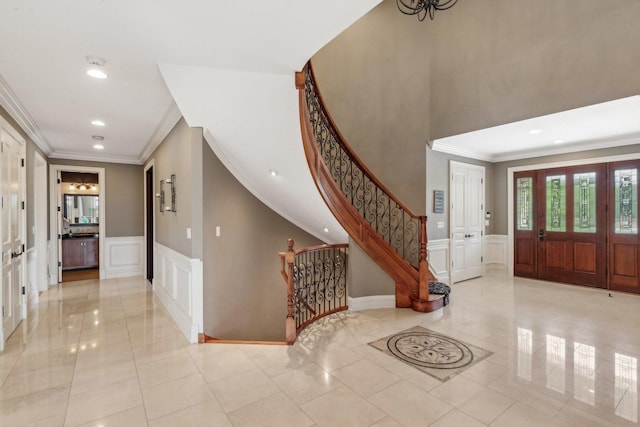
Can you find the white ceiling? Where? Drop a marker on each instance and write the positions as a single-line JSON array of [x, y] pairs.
[[225, 66], [608, 124]]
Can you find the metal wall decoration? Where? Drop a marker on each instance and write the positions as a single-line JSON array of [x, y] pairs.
[[171, 181]]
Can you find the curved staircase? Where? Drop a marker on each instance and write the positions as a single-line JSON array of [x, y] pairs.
[[393, 236]]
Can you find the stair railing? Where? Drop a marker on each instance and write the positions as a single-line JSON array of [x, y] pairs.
[[316, 279], [388, 231]]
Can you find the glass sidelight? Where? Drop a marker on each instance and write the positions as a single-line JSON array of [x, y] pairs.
[[626, 207], [524, 203]]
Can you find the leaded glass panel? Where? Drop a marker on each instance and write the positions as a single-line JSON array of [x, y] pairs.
[[584, 202], [525, 203], [626, 205], [556, 203]]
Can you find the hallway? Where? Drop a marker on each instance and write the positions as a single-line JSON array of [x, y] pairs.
[[106, 353]]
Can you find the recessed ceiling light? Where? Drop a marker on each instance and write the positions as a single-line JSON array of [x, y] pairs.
[[96, 68], [535, 131], [558, 141], [97, 73], [326, 230], [98, 147], [272, 172], [99, 123]]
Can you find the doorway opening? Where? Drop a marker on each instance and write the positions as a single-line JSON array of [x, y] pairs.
[[77, 222], [149, 201]]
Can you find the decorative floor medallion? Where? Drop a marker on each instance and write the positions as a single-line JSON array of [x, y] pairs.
[[440, 356]]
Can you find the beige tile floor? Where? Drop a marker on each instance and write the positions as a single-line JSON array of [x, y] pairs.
[[106, 353]]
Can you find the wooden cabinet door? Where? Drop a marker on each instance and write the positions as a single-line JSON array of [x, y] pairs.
[[72, 253], [91, 253]]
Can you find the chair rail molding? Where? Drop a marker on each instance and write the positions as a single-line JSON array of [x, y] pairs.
[[123, 257], [178, 284]]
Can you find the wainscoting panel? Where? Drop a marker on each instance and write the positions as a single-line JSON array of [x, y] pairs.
[[495, 251], [438, 257], [178, 284], [123, 257]]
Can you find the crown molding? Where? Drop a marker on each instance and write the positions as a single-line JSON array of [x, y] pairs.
[[10, 102], [457, 151], [90, 158], [574, 147], [169, 120]]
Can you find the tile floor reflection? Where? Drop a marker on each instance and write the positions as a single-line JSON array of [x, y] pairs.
[[106, 353]]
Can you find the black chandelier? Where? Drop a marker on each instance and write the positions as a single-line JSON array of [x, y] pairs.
[[422, 8]]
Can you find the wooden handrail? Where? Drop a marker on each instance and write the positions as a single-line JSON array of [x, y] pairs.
[[348, 180], [347, 147]]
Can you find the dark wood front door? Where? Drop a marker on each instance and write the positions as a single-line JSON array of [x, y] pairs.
[[624, 244], [572, 225], [561, 225]]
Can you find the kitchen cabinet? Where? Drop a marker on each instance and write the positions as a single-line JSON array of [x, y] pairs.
[[80, 253]]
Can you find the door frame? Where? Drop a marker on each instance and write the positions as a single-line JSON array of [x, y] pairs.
[[7, 127], [54, 195], [40, 220], [149, 240], [550, 165]]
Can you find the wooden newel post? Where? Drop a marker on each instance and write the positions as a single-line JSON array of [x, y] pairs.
[[423, 266], [290, 323]]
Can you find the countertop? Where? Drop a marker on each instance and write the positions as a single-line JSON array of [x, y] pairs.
[[81, 236]]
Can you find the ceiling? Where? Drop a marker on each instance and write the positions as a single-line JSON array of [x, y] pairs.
[[227, 67], [608, 124], [45, 46]]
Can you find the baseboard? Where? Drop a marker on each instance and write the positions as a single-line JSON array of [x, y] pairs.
[[373, 301], [178, 284], [124, 257]]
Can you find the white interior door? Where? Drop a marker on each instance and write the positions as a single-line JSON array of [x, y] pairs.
[[466, 219], [12, 201]]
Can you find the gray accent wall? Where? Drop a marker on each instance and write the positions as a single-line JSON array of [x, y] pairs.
[[244, 294], [379, 103], [507, 60], [124, 193], [364, 277], [181, 154]]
